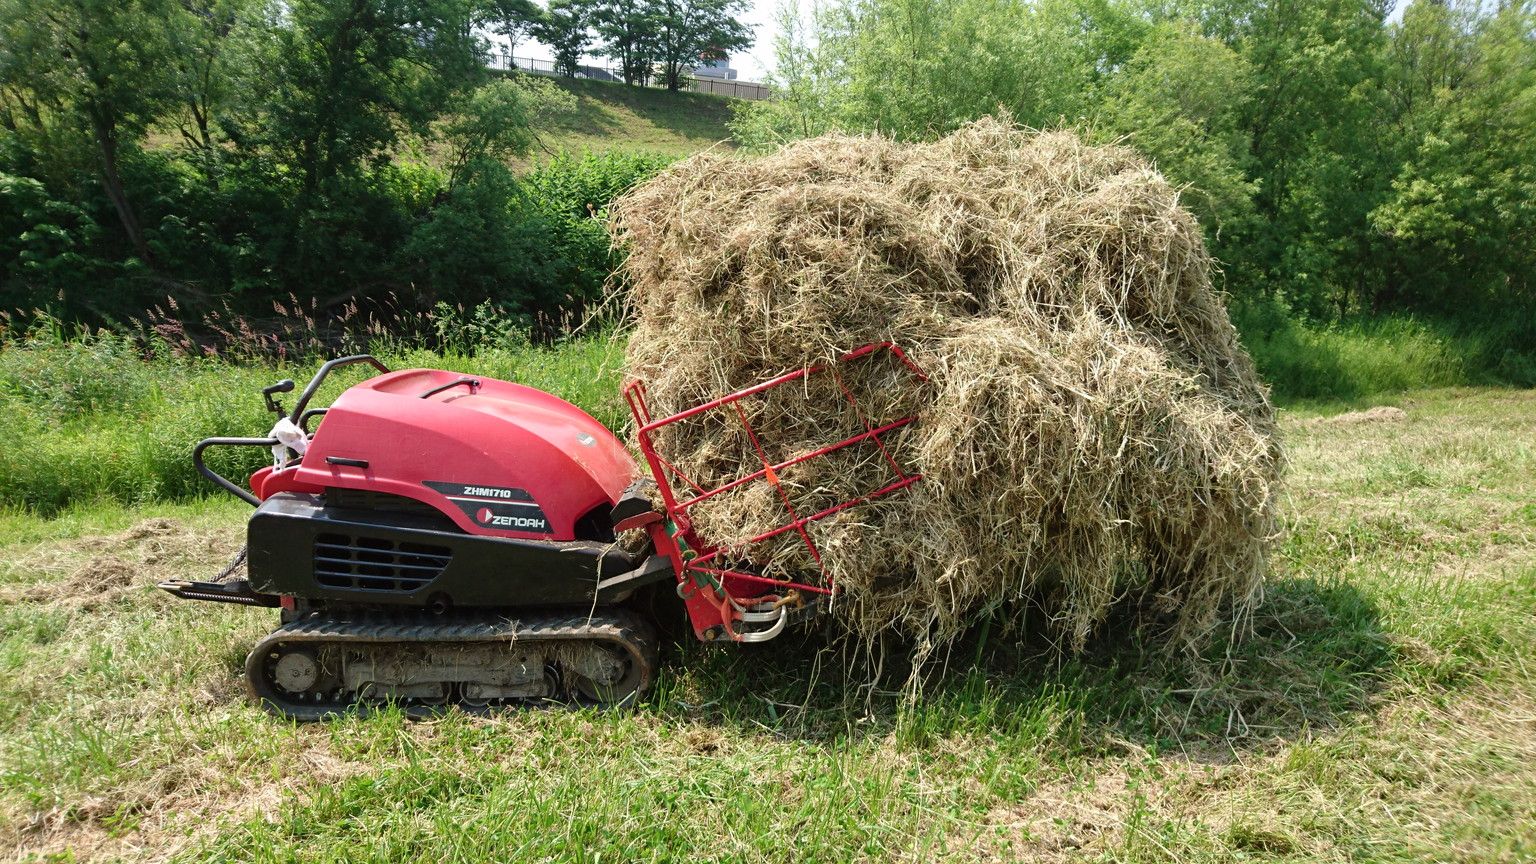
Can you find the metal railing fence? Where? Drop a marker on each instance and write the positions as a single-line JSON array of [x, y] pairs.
[[692, 83]]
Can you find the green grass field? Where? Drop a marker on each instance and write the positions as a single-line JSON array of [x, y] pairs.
[[1383, 708], [613, 116], [610, 117]]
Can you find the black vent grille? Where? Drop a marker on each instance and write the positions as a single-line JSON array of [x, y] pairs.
[[376, 564]]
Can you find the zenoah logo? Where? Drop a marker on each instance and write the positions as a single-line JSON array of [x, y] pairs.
[[487, 516], [500, 507]]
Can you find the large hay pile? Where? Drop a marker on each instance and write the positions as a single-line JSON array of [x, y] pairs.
[[1092, 431]]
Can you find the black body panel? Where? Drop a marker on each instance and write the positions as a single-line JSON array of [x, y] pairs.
[[362, 555]]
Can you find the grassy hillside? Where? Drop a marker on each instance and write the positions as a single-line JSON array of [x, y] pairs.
[[619, 117], [1382, 711], [609, 117]]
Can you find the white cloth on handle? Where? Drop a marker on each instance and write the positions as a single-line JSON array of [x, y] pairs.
[[289, 437]]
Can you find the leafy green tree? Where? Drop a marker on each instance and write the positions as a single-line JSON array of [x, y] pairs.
[[216, 46], [1179, 99], [566, 27], [690, 31], [1461, 214], [534, 245], [628, 29], [301, 169], [498, 122], [513, 19], [353, 84], [1313, 126], [915, 68], [89, 74], [352, 76], [805, 88]]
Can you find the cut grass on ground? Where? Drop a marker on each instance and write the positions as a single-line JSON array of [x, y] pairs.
[[1383, 710]]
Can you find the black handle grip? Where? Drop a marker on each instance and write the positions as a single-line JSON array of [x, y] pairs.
[[283, 386], [313, 412], [474, 384]]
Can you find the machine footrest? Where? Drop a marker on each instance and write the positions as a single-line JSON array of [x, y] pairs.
[[237, 591]]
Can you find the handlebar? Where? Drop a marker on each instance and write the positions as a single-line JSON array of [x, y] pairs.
[[472, 383], [283, 386], [320, 376], [298, 415], [224, 482], [313, 412]]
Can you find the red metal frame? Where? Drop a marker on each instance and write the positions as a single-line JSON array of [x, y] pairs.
[[717, 596]]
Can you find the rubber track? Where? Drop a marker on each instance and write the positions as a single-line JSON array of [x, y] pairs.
[[619, 627]]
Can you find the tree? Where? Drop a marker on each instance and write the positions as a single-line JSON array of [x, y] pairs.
[[104, 64], [1179, 100], [1461, 215], [217, 46], [690, 31], [628, 27], [1315, 150], [806, 88], [915, 68], [514, 19], [566, 27], [311, 123], [352, 76], [498, 122], [352, 83]]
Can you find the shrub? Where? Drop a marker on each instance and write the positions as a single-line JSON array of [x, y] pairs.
[[1350, 360], [569, 196], [478, 245], [238, 234]]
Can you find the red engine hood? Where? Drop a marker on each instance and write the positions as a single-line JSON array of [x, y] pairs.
[[498, 458]]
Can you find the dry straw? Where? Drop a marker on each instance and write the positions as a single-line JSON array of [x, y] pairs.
[[1092, 433]]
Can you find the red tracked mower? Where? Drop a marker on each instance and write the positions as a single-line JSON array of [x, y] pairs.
[[449, 540]]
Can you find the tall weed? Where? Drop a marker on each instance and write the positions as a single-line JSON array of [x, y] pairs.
[[100, 417], [96, 416], [1364, 357]]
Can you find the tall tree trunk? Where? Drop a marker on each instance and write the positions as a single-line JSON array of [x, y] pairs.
[[112, 183]]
